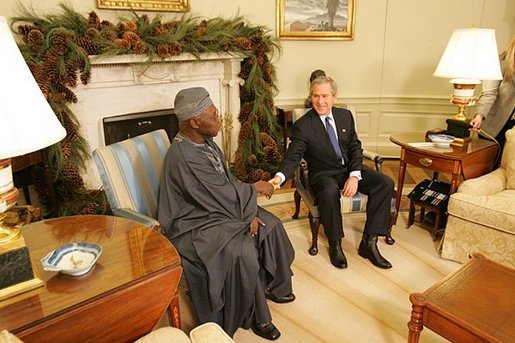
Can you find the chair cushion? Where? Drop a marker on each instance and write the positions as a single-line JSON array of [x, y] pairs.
[[357, 203], [508, 158], [208, 333], [495, 211], [130, 171], [165, 335]]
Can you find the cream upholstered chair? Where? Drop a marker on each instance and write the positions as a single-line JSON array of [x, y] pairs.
[[355, 204], [205, 333], [130, 171], [482, 214]]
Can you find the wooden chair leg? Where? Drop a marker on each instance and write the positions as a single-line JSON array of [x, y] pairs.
[[314, 224], [174, 312], [296, 199]]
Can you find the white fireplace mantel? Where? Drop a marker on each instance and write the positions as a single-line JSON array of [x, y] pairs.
[[129, 83]]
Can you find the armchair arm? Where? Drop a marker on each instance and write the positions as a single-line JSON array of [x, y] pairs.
[[491, 183], [138, 217], [303, 185], [374, 157]]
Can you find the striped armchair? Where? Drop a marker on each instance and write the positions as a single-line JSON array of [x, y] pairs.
[[130, 171]]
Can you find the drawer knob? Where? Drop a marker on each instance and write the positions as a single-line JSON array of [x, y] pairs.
[[426, 162]]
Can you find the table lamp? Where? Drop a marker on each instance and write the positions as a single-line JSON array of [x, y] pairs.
[[470, 56], [27, 124]]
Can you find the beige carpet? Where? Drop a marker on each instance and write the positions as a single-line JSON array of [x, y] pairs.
[[361, 303]]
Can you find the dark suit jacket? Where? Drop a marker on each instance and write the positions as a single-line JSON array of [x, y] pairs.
[[309, 140]]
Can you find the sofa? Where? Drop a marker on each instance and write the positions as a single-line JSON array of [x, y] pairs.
[[482, 214]]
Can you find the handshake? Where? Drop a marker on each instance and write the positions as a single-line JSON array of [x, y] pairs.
[[267, 188], [276, 182]]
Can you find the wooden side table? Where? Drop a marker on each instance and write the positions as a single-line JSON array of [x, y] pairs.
[[476, 303], [122, 298], [469, 161]]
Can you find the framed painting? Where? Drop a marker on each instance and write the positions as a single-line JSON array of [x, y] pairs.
[[315, 19], [146, 5]]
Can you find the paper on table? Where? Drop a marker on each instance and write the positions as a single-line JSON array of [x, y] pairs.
[[422, 144]]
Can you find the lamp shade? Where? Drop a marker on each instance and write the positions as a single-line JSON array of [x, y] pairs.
[[470, 54], [27, 122]]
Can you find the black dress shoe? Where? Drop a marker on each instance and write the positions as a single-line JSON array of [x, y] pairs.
[[336, 254], [280, 300], [368, 249], [268, 331]]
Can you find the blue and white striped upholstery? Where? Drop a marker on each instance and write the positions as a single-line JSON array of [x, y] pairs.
[[130, 171]]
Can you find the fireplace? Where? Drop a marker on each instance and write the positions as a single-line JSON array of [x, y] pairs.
[[123, 86], [120, 127]]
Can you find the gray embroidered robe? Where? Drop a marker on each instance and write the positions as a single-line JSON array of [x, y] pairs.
[[207, 212]]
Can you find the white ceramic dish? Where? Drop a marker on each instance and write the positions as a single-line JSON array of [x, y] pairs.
[[441, 140], [72, 259]]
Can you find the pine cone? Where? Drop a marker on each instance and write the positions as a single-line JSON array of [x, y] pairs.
[[93, 20], [89, 209], [130, 26], [253, 161], [85, 77], [131, 37], [254, 176], [35, 37], [163, 50], [140, 48], [243, 43], [122, 43], [239, 165], [109, 34], [267, 140], [175, 48], [159, 31], [105, 24], [72, 175]]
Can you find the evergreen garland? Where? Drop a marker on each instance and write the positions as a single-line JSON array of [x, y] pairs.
[[57, 48]]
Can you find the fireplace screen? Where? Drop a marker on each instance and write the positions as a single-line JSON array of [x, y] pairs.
[[121, 127]]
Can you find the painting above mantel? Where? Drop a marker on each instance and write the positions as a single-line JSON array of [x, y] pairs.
[[146, 5]]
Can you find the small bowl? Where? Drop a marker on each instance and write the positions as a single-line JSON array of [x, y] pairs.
[[441, 140], [72, 259]]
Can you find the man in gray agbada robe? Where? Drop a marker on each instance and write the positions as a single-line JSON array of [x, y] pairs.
[[235, 254]]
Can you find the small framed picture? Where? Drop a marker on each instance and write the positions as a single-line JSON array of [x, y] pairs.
[[146, 5], [315, 19]]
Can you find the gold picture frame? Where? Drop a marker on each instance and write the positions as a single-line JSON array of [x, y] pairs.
[[146, 5], [302, 20]]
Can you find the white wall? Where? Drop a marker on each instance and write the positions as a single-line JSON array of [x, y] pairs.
[[385, 72]]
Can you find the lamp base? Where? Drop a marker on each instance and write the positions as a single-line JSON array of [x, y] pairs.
[[16, 273]]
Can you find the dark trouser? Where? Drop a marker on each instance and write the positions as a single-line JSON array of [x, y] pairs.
[[377, 186]]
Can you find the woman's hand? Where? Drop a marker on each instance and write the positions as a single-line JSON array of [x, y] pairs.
[[475, 123], [254, 226]]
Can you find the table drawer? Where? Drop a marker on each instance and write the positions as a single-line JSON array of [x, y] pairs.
[[433, 163]]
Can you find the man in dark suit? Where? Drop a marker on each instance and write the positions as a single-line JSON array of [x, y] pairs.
[[326, 138]]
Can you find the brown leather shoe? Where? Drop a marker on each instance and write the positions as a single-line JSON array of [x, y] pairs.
[[267, 330]]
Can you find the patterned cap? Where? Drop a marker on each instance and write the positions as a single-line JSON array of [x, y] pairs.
[[191, 102]]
